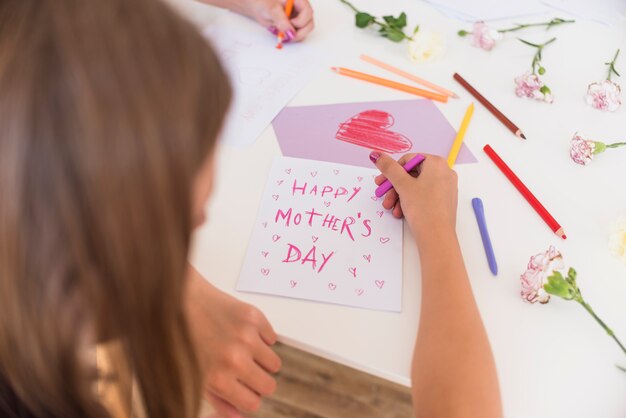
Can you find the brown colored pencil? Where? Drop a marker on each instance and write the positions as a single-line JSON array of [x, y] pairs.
[[490, 107]]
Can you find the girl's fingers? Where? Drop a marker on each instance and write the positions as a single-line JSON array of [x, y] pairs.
[[303, 14], [390, 199], [303, 32], [222, 408], [379, 179], [397, 210], [267, 358], [259, 380], [241, 396]]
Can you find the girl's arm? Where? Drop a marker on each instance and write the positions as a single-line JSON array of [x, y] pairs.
[[453, 373]]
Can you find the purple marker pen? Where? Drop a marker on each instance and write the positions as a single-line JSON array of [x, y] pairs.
[[410, 165]]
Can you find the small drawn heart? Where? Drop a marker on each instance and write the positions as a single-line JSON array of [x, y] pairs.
[[336, 172], [380, 283], [275, 196], [352, 271], [288, 171], [265, 272], [359, 291], [313, 173], [279, 182], [275, 238], [264, 224], [384, 240], [371, 129], [374, 198], [359, 178], [327, 204], [332, 286], [264, 253], [314, 238], [380, 213], [293, 283], [368, 257]]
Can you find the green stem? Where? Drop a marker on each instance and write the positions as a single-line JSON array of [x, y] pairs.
[[616, 145], [553, 22], [537, 57], [612, 66], [347, 3], [602, 324]]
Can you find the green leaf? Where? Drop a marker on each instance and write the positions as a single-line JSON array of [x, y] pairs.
[[417, 29], [401, 20], [363, 19], [541, 71], [558, 286], [390, 20], [462, 32], [394, 34], [571, 276]]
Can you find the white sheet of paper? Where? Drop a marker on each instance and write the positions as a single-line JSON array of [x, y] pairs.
[[489, 9], [321, 235], [608, 12], [264, 78]]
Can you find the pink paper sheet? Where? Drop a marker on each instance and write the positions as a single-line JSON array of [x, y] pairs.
[[347, 132]]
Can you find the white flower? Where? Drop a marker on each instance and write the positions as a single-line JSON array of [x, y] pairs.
[[617, 240], [426, 46]]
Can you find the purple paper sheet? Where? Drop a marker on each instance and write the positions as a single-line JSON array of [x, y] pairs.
[[347, 132]]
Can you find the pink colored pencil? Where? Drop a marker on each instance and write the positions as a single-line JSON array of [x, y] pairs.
[[408, 76]]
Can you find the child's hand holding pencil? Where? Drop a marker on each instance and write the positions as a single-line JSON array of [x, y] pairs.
[[294, 21], [426, 195]]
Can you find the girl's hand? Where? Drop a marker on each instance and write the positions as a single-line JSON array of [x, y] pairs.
[[426, 197], [271, 14], [233, 342]]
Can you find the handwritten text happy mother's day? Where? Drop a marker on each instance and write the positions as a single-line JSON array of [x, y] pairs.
[[323, 235]]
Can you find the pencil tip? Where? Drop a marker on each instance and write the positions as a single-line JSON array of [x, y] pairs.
[[335, 69], [523, 136], [455, 96]]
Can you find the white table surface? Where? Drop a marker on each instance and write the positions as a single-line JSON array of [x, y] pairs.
[[552, 360]]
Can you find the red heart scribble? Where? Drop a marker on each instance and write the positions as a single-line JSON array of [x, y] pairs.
[[370, 129]]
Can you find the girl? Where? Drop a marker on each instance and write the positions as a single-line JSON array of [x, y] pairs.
[[109, 113]]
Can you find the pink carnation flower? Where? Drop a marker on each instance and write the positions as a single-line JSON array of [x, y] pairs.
[[485, 37], [530, 86], [539, 268], [581, 150], [604, 95]]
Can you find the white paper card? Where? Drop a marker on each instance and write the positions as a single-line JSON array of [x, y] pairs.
[[264, 79], [322, 235]]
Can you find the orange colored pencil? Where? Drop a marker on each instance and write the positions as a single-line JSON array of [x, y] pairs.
[[288, 10], [391, 84], [408, 76]]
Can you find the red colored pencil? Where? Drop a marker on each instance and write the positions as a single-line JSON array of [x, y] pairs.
[[530, 198]]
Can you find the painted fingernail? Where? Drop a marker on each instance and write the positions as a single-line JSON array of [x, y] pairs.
[[290, 34], [273, 30], [374, 156]]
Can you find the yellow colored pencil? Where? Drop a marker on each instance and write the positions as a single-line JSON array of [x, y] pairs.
[[458, 141]]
